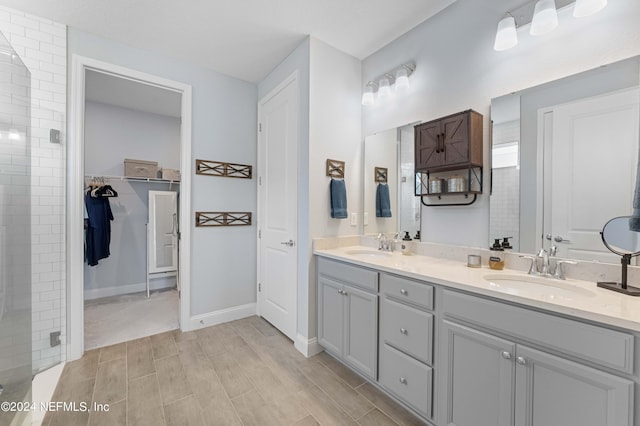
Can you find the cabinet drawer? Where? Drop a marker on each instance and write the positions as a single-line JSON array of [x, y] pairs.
[[408, 379], [600, 345], [343, 272], [407, 291], [407, 329]]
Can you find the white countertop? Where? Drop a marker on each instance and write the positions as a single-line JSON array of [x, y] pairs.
[[596, 304]]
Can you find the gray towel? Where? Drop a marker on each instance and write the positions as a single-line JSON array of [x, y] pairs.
[[383, 202], [338, 193], [634, 220]]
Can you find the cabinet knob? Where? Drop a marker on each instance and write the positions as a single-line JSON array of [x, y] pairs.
[[506, 355], [521, 360], [340, 291], [344, 293], [403, 292], [403, 380], [404, 331]]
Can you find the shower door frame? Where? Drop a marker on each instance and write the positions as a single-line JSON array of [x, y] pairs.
[[75, 179]]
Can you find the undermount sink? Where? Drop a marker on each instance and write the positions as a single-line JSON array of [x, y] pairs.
[[367, 252], [545, 288]]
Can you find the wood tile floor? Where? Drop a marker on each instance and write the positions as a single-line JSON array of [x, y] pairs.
[[240, 373]]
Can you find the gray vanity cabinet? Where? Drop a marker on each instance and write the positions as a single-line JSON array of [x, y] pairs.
[[479, 377], [406, 341], [554, 391], [489, 379], [348, 314]]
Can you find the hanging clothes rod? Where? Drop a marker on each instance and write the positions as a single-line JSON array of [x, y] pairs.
[[133, 179]]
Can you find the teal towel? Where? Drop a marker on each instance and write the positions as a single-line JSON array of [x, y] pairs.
[[338, 193], [383, 202]]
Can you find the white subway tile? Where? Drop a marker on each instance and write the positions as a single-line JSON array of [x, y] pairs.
[[38, 55]]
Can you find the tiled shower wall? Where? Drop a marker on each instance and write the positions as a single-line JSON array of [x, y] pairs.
[[42, 46], [505, 199]]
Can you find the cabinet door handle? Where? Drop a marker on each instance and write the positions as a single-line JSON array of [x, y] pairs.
[[438, 143], [506, 355], [403, 380], [404, 331], [521, 360], [442, 142], [403, 291]]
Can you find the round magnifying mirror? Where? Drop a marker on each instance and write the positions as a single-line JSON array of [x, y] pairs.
[[621, 240]]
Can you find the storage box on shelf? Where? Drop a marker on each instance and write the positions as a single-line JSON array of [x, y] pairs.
[[140, 168]]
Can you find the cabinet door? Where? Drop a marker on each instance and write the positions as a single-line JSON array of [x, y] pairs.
[[330, 315], [361, 327], [553, 391], [427, 145], [479, 373], [455, 131]]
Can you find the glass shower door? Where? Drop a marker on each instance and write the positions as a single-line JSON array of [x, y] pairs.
[[15, 233]]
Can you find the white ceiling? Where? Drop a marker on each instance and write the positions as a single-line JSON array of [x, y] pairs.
[[121, 92], [245, 39]]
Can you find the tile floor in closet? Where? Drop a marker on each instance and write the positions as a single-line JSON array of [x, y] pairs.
[[240, 373]]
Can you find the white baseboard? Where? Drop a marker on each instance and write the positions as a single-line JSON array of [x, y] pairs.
[[96, 293], [221, 316], [307, 347]]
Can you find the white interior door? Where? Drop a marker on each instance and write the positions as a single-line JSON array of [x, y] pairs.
[[277, 199], [162, 232], [594, 156]]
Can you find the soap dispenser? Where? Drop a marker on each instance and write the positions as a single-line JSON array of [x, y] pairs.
[[506, 245], [496, 257]]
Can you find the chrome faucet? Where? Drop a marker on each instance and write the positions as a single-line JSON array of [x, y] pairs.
[[383, 243], [544, 255]]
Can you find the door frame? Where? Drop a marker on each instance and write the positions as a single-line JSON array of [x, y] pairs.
[[75, 183], [292, 78]]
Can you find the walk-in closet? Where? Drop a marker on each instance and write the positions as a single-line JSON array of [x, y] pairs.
[[131, 193]]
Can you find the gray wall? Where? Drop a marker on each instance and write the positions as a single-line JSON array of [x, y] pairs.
[[458, 69], [223, 260]]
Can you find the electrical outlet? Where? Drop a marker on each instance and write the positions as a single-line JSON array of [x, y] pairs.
[[354, 219]]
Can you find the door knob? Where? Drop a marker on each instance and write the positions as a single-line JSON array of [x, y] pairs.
[[559, 239], [289, 243]]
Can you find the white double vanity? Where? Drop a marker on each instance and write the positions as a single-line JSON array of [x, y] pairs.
[[466, 346]]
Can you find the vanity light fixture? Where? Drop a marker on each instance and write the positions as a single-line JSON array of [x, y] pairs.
[[543, 18], [506, 36], [402, 78], [384, 87], [368, 96], [397, 77], [588, 7]]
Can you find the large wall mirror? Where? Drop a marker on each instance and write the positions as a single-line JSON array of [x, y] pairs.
[[391, 152], [564, 160]]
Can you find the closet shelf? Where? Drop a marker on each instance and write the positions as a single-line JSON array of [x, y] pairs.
[[134, 179]]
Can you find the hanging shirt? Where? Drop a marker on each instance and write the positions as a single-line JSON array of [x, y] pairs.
[[98, 234]]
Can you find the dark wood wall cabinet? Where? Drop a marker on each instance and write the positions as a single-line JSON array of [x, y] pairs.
[[446, 148]]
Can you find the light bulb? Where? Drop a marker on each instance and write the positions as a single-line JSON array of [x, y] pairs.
[[588, 7], [545, 17], [506, 36], [368, 97], [402, 79], [384, 89]]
